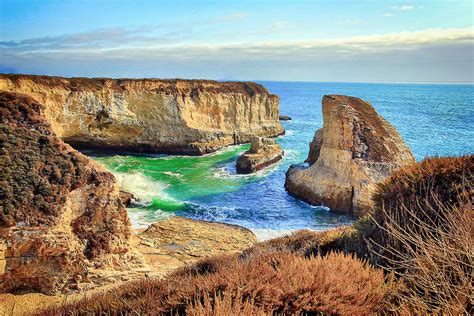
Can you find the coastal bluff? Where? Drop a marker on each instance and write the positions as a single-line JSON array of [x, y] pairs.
[[355, 150], [63, 225], [60, 212], [191, 117]]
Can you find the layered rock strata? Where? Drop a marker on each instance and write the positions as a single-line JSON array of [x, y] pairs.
[[60, 212], [151, 115], [263, 152], [355, 150]]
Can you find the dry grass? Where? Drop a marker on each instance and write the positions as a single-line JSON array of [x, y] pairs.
[[279, 282], [421, 232], [424, 234]]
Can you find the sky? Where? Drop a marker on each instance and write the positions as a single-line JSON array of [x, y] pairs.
[[343, 41]]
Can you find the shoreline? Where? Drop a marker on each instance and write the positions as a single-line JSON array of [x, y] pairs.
[[164, 247]]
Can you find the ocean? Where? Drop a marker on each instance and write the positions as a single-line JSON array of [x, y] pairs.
[[433, 119]]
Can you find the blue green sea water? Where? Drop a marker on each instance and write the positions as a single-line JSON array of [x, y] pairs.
[[434, 119]]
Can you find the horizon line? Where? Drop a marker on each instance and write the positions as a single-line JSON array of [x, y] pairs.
[[250, 80]]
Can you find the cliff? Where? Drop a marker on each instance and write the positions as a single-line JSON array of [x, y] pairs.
[[355, 150], [151, 115], [60, 212]]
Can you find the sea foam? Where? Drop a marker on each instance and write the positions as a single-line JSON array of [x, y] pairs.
[[143, 187]]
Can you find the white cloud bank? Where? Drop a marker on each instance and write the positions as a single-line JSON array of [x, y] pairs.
[[429, 55], [405, 7]]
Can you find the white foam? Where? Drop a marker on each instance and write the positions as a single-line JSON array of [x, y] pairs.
[[142, 219], [229, 171], [143, 187], [267, 233], [173, 174]]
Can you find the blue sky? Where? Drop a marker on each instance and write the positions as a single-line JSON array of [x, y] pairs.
[[387, 41]]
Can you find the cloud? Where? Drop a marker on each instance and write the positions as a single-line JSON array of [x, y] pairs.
[[388, 14], [280, 25], [427, 55], [93, 39], [404, 7], [120, 36], [229, 18]]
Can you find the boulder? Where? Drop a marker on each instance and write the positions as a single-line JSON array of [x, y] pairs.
[[263, 152], [355, 150], [127, 198], [60, 212]]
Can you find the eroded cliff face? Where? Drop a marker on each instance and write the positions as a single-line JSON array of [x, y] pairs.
[[355, 150], [60, 212], [167, 116]]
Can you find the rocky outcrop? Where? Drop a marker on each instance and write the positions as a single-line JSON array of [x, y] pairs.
[[177, 241], [166, 245], [354, 151], [263, 152], [127, 198], [166, 116], [60, 212]]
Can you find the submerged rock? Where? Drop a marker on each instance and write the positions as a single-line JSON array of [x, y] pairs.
[[60, 212], [355, 149], [263, 152], [191, 117]]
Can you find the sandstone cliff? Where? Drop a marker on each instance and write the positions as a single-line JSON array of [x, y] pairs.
[[355, 150], [60, 212], [167, 116], [263, 152], [315, 146]]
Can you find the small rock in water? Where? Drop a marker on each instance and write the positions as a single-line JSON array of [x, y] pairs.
[[284, 118], [127, 198], [263, 153]]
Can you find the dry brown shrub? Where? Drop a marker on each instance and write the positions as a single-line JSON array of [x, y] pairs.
[[280, 282], [424, 234], [308, 243]]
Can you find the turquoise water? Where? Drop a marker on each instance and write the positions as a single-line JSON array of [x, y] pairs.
[[433, 120]]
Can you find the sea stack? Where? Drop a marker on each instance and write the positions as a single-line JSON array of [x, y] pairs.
[[263, 152], [355, 150], [60, 212], [191, 117]]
